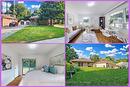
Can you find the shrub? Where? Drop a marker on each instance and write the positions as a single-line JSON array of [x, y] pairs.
[[123, 67], [76, 68], [69, 67], [69, 70]]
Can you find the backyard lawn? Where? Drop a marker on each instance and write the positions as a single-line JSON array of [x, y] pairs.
[[35, 33], [89, 76]]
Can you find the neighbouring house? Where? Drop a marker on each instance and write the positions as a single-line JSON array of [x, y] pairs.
[[83, 62], [122, 64], [24, 22], [105, 64], [7, 19], [34, 20]]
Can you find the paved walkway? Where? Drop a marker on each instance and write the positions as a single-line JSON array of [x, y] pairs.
[[55, 40], [10, 30]]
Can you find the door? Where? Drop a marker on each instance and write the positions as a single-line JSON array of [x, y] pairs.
[[102, 22], [28, 65]]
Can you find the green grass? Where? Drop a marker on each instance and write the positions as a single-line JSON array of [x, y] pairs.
[[35, 33], [89, 76]]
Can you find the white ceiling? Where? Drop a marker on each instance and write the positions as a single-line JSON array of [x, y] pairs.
[[80, 7], [23, 49]]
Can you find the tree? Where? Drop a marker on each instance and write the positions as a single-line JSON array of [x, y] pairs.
[[60, 15], [94, 57], [122, 60], [51, 10], [110, 58], [20, 11], [36, 12], [70, 53]]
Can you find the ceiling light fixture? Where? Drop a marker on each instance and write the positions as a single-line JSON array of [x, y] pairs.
[[90, 4], [85, 18], [32, 46]]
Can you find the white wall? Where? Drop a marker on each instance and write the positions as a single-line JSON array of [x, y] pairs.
[[58, 50], [101, 65], [93, 19], [107, 16], [40, 60], [77, 18], [122, 32], [44, 58], [9, 75]]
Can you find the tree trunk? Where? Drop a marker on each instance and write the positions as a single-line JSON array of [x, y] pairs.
[[51, 21], [48, 21]]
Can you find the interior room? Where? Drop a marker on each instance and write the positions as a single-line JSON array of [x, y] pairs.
[[96, 21], [33, 65]]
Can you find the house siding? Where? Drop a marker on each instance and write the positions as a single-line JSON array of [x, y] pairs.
[[6, 20], [104, 65]]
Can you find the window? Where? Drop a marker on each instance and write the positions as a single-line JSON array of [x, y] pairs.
[[116, 19], [127, 18], [126, 15], [119, 19], [28, 65], [6, 5], [85, 21]]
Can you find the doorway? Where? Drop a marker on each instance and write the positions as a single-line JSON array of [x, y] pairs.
[[28, 65]]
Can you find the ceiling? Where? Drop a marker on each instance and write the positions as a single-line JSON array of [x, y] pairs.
[[24, 49], [81, 7]]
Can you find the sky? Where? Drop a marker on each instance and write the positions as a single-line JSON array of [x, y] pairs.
[[31, 5], [114, 50]]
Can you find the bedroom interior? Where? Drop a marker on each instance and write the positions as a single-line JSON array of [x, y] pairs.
[[33, 65], [96, 22]]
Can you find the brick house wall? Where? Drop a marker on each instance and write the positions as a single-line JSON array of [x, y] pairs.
[[7, 19]]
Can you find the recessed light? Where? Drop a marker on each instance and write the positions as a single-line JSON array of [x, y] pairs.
[[32, 46], [85, 18], [90, 4]]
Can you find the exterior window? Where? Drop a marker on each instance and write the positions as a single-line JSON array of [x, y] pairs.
[[5, 6]]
